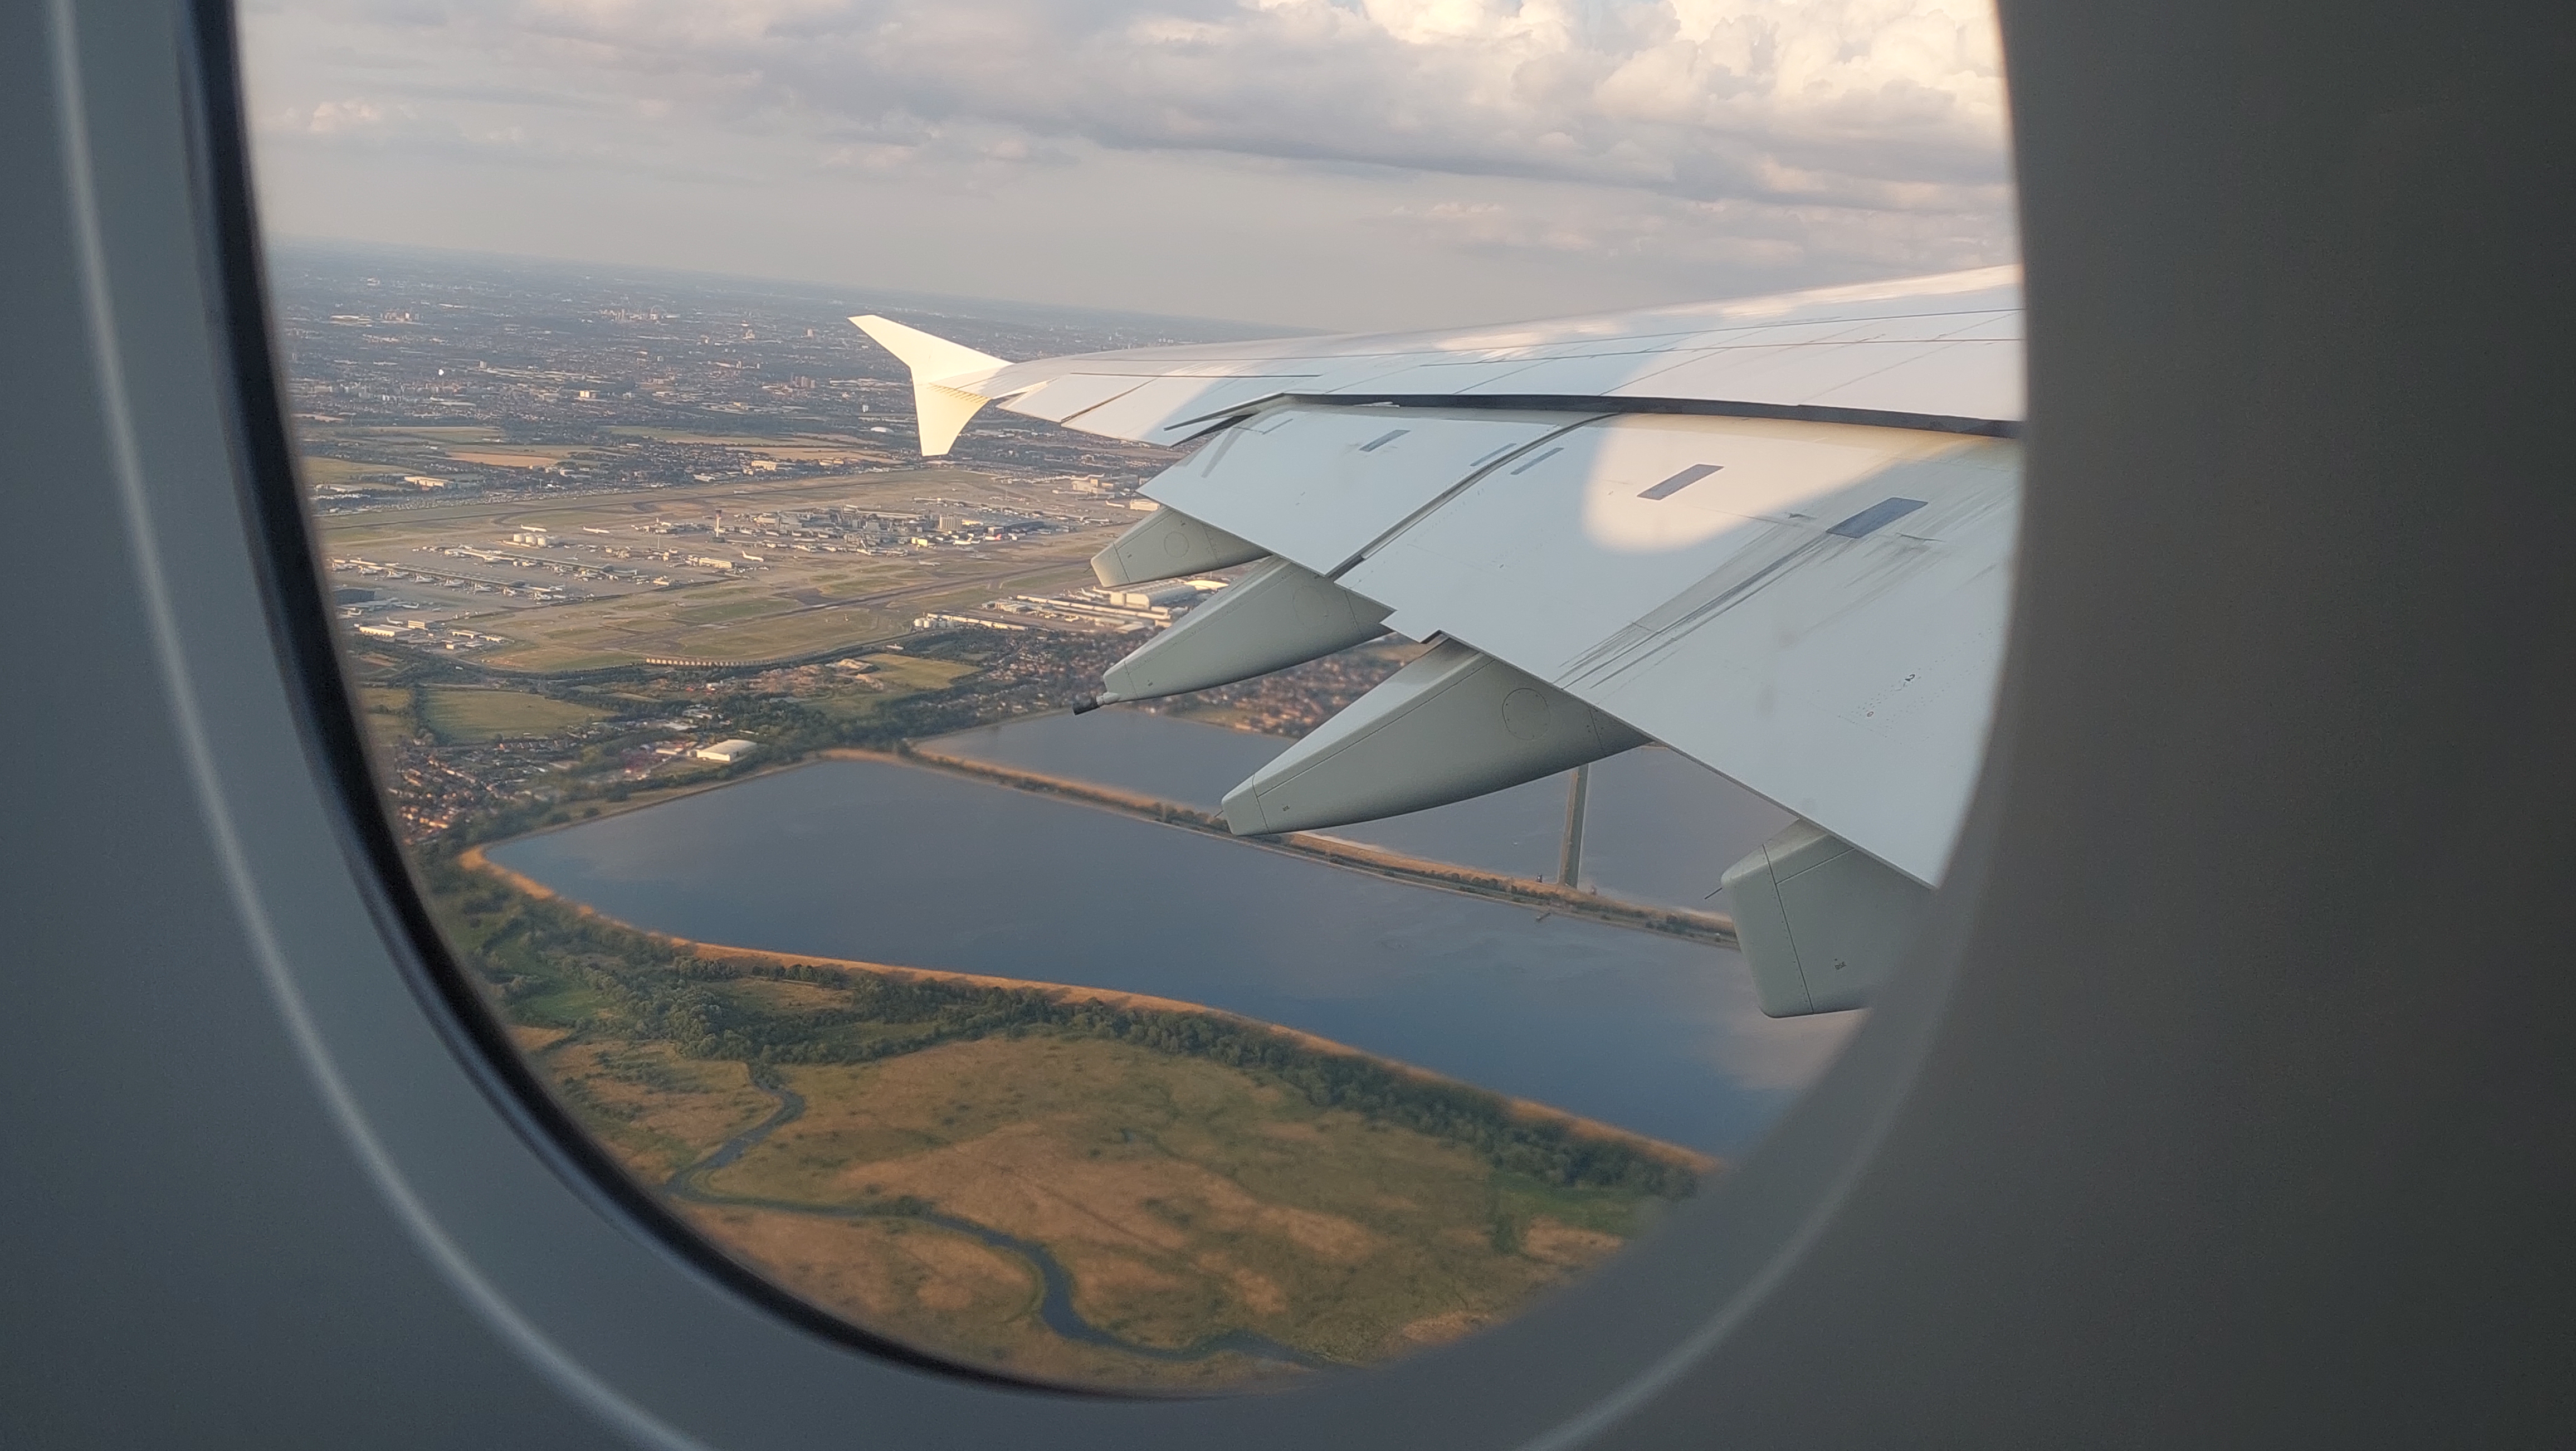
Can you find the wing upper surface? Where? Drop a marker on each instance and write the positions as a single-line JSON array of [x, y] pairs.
[[1940, 352], [1320, 485], [1814, 610]]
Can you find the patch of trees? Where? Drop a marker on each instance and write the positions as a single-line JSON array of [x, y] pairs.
[[787, 727]]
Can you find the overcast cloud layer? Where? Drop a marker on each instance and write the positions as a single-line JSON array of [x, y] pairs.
[[1368, 163]]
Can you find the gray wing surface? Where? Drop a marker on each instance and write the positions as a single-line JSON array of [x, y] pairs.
[[1935, 352], [1775, 534]]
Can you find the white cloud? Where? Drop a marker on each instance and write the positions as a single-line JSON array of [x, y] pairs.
[[1787, 140], [1729, 234], [1703, 98], [327, 118]]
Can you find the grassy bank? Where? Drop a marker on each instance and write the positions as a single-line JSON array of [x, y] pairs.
[[1196, 1173]]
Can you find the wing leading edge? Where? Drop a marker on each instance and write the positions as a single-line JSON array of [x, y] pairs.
[[1774, 534]]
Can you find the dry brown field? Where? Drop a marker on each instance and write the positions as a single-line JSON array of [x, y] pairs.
[[1184, 1197]]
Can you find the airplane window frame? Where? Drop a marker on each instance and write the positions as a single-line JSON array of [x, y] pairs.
[[2122, 1190], [1809, 1158]]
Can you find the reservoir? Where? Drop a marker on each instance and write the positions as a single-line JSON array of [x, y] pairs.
[[1659, 828], [904, 864]]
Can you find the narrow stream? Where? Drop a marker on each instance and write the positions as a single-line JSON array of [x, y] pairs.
[[1055, 1306]]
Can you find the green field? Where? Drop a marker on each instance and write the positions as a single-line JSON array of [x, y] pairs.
[[439, 433], [386, 712], [917, 672], [461, 713], [321, 470], [713, 606]]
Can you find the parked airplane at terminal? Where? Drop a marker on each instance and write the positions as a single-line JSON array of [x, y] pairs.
[[1775, 534]]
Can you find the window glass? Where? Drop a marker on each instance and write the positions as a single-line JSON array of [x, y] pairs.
[[734, 742]]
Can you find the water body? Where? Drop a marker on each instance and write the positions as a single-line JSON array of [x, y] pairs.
[[1659, 829], [902, 864]]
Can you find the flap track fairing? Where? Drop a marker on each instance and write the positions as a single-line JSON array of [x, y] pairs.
[[1279, 615], [1167, 545], [1821, 922], [1454, 724]]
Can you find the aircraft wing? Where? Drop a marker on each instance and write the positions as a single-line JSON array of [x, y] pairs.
[[1933, 352], [1775, 534]]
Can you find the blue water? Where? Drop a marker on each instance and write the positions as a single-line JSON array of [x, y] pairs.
[[1659, 828], [902, 864]]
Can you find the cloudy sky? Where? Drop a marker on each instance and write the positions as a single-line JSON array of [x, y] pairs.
[[1314, 163]]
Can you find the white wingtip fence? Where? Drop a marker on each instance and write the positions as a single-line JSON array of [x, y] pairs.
[[940, 409]]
